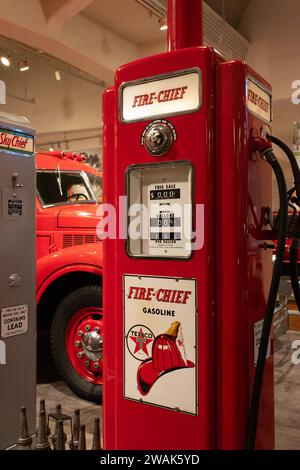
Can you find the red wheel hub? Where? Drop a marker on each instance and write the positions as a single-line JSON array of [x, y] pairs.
[[84, 343]]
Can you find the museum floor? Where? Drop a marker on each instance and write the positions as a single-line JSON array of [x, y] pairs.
[[287, 397]]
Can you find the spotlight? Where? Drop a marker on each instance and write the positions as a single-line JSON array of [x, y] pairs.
[[58, 75], [5, 60], [23, 66], [163, 25]]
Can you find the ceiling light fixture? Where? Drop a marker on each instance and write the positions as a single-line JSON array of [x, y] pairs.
[[5, 60], [23, 66], [58, 75], [163, 24]]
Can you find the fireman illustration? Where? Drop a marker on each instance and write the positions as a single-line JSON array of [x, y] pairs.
[[168, 354]]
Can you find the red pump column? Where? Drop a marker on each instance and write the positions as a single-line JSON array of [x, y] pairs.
[[159, 389], [184, 24], [182, 322]]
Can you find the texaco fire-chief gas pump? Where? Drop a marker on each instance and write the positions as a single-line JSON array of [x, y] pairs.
[[186, 294], [17, 276]]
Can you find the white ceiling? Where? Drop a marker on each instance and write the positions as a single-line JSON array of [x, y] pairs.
[[134, 21], [127, 17], [231, 10]]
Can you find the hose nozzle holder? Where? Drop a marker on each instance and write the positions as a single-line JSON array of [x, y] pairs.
[[264, 147]]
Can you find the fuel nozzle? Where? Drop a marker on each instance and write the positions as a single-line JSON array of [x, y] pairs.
[[264, 147]]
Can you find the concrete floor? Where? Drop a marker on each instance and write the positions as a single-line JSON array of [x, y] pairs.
[[287, 394], [287, 397], [54, 391], [59, 392]]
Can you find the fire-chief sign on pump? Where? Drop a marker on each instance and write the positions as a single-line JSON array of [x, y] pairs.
[[160, 350]]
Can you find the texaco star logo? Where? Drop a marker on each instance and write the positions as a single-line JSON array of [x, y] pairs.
[[139, 341]]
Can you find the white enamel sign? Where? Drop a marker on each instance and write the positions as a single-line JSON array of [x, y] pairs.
[[160, 342], [178, 93], [14, 321], [258, 101], [16, 142]]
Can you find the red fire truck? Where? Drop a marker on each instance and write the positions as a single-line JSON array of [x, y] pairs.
[[69, 268]]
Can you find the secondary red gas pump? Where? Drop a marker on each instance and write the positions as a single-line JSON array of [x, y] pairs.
[[187, 266]]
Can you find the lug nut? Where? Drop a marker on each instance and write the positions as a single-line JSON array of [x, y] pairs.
[[96, 365], [87, 327], [97, 329], [87, 363], [80, 354], [80, 333], [77, 344]]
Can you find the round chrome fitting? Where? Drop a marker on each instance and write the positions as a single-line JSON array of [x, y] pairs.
[[158, 139]]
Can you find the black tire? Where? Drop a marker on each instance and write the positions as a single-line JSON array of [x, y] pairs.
[[88, 296]]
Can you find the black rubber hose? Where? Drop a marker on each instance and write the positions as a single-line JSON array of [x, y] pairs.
[[294, 247], [293, 271], [271, 302], [292, 159]]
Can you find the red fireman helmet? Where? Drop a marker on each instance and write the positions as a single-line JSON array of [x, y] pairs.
[[166, 357]]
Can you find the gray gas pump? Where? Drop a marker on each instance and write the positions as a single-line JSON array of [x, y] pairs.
[[17, 276]]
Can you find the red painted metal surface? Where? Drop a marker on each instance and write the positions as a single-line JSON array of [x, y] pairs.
[[244, 184], [81, 259], [195, 137], [184, 24], [67, 244], [90, 317], [287, 251], [109, 266], [50, 161], [232, 271], [78, 217], [66, 235]]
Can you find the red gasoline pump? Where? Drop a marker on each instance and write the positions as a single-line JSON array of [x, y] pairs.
[[187, 267]]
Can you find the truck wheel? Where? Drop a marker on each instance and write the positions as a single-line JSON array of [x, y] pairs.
[[77, 344]]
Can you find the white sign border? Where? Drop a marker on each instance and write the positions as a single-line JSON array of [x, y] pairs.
[[142, 401], [155, 78]]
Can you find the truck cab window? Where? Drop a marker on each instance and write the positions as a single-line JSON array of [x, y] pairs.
[[64, 188], [96, 183]]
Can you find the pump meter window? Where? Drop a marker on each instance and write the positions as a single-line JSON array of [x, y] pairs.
[[160, 210]]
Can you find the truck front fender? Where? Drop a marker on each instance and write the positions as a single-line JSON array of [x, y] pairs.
[[85, 258]]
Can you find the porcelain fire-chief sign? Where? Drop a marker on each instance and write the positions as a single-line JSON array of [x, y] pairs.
[[164, 95], [160, 341]]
